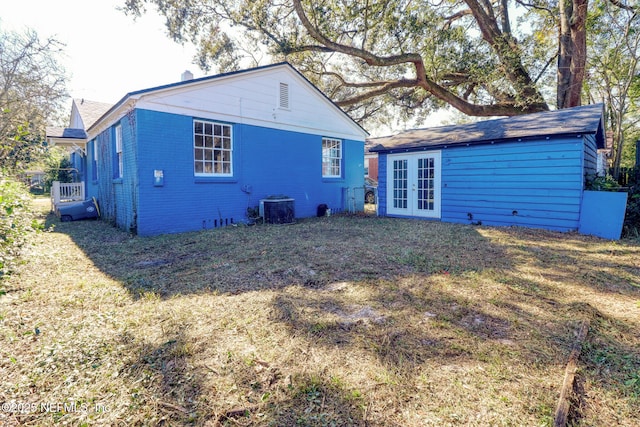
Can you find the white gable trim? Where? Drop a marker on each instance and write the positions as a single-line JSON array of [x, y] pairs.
[[240, 108], [111, 118]]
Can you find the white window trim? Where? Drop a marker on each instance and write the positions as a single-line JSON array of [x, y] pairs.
[[331, 158], [230, 150], [119, 151], [94, 166]]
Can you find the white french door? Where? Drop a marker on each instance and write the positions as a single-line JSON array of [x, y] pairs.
[[413, 184]]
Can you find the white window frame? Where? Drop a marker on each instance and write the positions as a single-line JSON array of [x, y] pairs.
[[212, 148], [331, 158], [119, 158], [94, 165]]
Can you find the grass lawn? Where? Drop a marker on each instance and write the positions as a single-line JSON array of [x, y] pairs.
[[345, 321]]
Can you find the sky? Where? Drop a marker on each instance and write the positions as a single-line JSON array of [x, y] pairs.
[[108, 54]]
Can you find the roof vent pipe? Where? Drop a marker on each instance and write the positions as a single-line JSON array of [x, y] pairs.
[[187, 75]]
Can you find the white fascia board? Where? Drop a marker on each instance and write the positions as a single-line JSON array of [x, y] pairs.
[[237, 118], [112, 117]]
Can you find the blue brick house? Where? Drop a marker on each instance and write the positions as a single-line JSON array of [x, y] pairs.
[[196, 154], [525, 170]]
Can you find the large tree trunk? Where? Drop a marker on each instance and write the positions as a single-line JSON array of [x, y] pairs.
[[573, 52]]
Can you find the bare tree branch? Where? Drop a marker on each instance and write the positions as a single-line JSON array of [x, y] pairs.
[[621, 5], [365, 55], [421, 77], [383, 89]]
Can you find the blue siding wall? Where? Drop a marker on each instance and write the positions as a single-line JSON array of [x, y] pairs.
[[590, 157], [534, 184], [265, 162], [382, 184]]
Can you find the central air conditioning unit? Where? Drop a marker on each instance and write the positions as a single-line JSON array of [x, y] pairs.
[[278, 210]]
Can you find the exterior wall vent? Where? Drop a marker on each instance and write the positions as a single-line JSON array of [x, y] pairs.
[[284, 96]]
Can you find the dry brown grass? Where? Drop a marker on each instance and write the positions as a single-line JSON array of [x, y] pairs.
[[331, 321]]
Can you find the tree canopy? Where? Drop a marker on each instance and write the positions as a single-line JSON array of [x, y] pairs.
[[614, 65], [32, 88], [482, 57]]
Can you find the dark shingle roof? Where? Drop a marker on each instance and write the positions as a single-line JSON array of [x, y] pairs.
[[58, 132], [570, 121]]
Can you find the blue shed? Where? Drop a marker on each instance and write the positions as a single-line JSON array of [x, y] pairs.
[[196, 154], [527, 170]]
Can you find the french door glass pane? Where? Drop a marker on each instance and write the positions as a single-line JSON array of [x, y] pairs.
[[426, 176], [400, 183]]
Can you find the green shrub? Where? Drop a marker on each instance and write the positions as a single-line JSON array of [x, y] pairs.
[[17, 221], [603, 183], [632, 217], [58, 169]]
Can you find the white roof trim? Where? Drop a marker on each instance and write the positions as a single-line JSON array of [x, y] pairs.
[[70, 144], [131, 100]]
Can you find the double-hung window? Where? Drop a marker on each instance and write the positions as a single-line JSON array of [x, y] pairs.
[[212, 148], [331, 158], [119, 166]]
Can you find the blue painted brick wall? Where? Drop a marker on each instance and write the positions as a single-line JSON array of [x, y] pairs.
[[126, 188], [91, 176], [117, 196], [265, 162], [104, 184]]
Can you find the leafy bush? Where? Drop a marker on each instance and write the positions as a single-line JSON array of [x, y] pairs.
[[603, 183], [632, 217], [17, 220], [58, 169]]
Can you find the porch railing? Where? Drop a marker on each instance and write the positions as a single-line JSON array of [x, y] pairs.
[[66, 192]]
